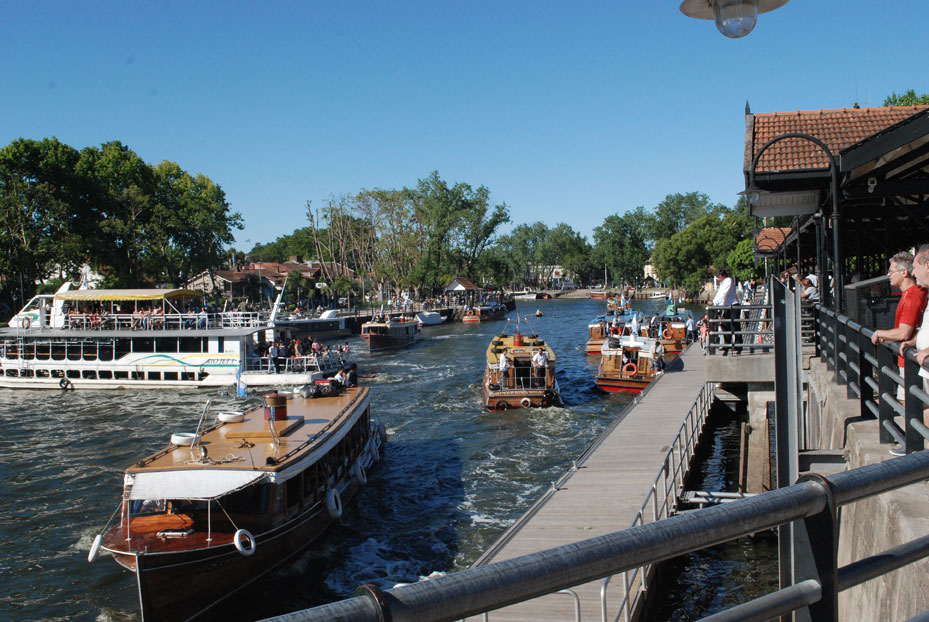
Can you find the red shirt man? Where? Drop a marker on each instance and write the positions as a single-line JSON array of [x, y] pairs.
[[911, 306]]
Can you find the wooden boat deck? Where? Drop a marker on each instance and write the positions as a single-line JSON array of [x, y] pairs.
[[604, 494], [307, 420]]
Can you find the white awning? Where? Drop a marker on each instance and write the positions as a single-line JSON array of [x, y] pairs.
[[190, 484]]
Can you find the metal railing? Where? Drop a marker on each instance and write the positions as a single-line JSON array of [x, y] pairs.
[[662, 498], [871, 375], [812, 503], [741, 328]]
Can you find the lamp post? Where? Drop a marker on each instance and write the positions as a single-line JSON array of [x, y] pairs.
[[752, 193], [734, 18]]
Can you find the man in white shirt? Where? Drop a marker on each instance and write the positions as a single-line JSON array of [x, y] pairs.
[[725, 297], [539, 363], [503, 367], [921, 340]]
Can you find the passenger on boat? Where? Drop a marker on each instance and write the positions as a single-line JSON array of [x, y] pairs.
[[341, 378], [503, 367], [657, 351], [539, 363], [353, 374], [272, 355]]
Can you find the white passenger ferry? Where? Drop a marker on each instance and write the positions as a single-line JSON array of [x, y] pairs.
[[144, 338]]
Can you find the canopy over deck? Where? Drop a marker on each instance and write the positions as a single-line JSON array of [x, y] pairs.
[[190, 483], [126, 294]]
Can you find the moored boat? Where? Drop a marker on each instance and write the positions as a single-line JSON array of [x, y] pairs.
[[144, 338], [526, 383], [248, 490], [626, 364], [526, 294], [674, 337], [429, 318], [483, 313], [386, 333]]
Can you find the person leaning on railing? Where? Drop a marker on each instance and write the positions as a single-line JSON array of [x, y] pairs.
[[909, 310], [921, 340], [725, 297]]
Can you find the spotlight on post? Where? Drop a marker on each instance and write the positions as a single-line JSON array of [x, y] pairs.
[[734, 18]]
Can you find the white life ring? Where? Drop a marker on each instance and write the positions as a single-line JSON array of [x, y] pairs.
[[246, 535], [359, 472], [525, 402], [94, 548], [231, 417], [183, 438], [334, 503]]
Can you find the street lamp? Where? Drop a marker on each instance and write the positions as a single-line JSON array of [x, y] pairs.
[[753, 193], [734, 18]]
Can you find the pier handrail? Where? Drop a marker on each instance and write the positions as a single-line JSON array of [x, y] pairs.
[[871, 375], [814, 499], [684, 446], [753, 328]]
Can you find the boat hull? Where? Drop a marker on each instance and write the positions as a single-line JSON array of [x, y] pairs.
[[185, 585], [621, 385]]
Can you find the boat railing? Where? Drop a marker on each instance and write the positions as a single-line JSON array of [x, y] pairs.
[[161, 322], [298, 364]]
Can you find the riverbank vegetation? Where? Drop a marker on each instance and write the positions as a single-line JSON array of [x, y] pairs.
[[139, 224]]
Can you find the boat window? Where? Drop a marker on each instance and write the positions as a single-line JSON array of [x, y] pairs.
[[141, 507], [170, 375], [104, 374], [311, 485], [154, 375], [43, 351], [41, 373], [74, 351], [142, 344], [190, 344], [220, 344], [123, 347], [58, 351], [294, 487], [249, 500], [89, 352], [166, 344], [105, 350]]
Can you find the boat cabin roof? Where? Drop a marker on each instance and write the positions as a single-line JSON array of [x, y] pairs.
[[505, 342], [126, 294], [239, 453]]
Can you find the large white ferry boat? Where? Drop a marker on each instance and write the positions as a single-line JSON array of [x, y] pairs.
[[145, 338]]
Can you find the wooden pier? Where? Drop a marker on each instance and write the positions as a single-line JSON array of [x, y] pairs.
[[604, 494]]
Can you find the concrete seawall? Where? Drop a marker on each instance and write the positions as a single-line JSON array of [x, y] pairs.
[[875, 524]]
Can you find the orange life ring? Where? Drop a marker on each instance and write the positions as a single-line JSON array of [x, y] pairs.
[[667, 333], [630, 369]]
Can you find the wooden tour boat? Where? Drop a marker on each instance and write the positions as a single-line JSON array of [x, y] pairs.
[[483, 313], [522, 386], [626, 364], [597, 294], [386, 333], [674, 337], [251, 488], [601, 328]]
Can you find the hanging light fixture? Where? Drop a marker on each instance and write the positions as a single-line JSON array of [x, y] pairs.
[[734, 18]]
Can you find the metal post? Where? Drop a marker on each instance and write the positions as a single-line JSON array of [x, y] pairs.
[[913, 406], [886, 386]]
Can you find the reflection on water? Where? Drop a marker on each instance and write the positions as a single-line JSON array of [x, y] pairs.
[[453, 477]]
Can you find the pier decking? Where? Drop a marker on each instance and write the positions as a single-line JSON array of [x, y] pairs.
[[604, 494]]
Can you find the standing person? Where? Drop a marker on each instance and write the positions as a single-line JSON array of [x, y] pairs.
[[539, 363], [704, 332], [272, 354], [725, 297], [658, 356], [921, 340], [689, 326], [503, 367], [909, 310]]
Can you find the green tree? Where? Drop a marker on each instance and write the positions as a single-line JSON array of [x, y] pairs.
[[910, 98], [676, 212], [619, 244]]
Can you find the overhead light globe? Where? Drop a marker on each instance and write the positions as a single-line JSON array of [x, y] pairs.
[[736, 18]]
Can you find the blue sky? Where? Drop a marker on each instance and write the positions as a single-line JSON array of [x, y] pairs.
[[566, 111]]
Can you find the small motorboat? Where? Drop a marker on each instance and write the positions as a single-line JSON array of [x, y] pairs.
[[538, 313], [385, 333], [523, 385], [626, 364], [429, 318]]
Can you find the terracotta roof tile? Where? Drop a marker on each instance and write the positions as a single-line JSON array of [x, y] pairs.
[[838, 129]]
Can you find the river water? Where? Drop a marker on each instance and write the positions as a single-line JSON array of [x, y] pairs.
[[452, 478]]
